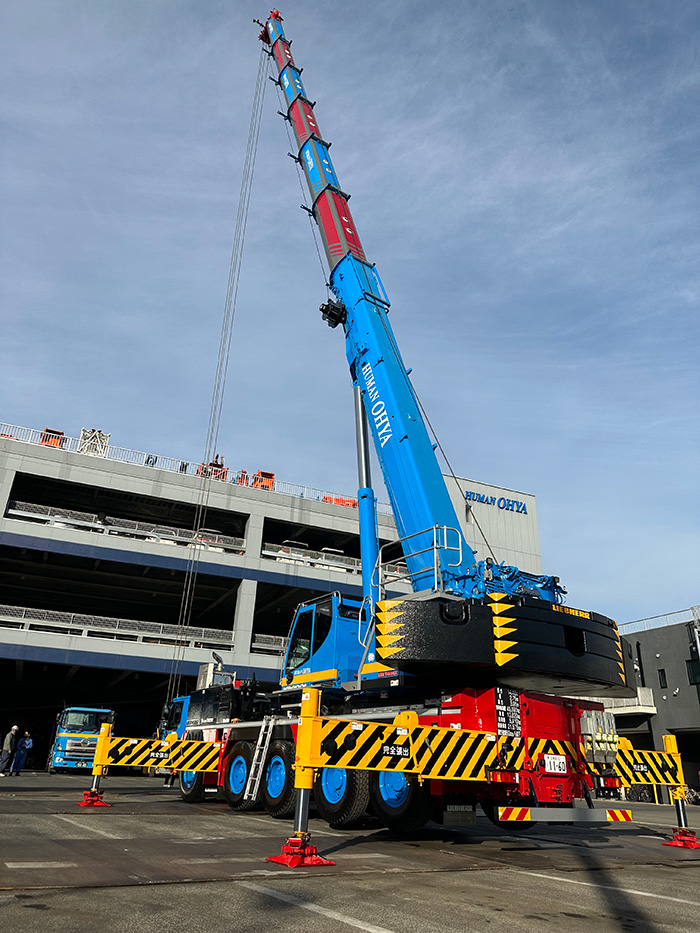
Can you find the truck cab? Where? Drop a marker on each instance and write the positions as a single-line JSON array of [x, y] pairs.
[[77, 729], [325, 644]]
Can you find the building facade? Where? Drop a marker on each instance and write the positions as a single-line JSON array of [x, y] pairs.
[[96, 543], [667, 651]]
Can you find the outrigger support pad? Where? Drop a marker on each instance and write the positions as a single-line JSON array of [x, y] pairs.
[[93, 798], [684, 838], [297, 851]]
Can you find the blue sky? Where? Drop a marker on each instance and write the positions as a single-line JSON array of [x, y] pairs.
[[524, 174]]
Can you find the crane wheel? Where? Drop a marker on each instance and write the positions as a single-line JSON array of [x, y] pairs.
[[341, 796], [191, 786], [401, 804], [236, 774], [278, 793]]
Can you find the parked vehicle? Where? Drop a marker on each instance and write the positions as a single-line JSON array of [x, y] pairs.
[[77, 728]]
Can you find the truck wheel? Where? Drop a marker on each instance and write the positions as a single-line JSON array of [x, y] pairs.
[[341, 796], [278, 793], [236, 776], [490, 808], [191, 786], [401, 804]]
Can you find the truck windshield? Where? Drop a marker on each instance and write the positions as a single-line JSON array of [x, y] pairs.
[[174, 716], [300, 644], [82, 721]]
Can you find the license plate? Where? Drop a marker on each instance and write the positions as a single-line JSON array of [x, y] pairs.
[[81, 764], [555, 764]]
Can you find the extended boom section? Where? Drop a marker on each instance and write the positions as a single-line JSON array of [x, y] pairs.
[[446, 628]]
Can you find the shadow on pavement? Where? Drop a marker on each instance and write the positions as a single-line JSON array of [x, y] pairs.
[[628, 915]]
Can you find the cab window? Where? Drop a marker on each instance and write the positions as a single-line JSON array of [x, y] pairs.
[[300, 646], [322, 624]]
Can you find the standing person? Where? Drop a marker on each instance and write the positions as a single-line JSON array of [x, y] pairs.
[[23, 746], [9, 747]]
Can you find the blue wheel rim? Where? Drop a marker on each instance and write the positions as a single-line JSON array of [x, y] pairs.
[[393, 788], [276, 776], [188, 779], [238, 775], [334, 782]]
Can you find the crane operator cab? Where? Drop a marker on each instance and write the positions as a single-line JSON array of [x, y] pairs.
[[325, 644]]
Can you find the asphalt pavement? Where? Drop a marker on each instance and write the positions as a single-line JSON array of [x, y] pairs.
[[151, 862]]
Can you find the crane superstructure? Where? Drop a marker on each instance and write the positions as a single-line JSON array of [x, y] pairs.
[[494, 621], [419, 496]]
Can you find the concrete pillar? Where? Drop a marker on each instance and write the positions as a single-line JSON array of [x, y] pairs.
[[243, 620], [8, 468], [254, 536]]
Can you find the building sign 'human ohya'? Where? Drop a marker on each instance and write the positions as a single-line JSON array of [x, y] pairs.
[[507, 505]]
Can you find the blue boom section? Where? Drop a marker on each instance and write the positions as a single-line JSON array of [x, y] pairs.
[[416, 487], [419, 497]]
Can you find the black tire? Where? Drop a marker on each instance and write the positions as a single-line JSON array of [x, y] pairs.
[[236, 774], [408, 809], [341, 796], [490, 808], [191, 786], [278, 792]]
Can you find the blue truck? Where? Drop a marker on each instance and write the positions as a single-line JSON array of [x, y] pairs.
[[77, 729]]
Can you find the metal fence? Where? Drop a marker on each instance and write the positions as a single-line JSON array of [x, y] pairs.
[[123, 527], [58, 441], [156, 633], [670, 618]]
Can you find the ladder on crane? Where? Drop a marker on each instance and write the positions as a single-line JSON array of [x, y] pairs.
[[259, 756]]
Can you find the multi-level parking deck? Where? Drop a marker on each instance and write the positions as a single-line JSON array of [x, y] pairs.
[[95, 543]]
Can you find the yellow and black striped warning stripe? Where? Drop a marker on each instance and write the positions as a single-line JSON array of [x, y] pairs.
[[504, 629], [180, 755], [430, 751], [638, 767], [633, 766], [621, 657], [389, 634]]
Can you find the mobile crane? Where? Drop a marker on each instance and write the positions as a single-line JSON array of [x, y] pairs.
[[464, 650]]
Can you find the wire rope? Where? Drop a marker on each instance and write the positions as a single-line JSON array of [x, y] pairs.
[[213, 427]]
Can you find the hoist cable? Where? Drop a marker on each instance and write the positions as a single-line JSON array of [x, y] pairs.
[[188, 592]]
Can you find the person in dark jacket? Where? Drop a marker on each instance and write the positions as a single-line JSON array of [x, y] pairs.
[[23, 746], [9, 747]]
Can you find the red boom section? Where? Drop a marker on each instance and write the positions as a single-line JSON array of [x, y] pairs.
[[303, 120], [337, 227], [330, 209], [282, 53]]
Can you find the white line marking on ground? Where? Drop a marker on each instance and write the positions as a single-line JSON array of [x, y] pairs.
[[364, 855], [213, 860], [83, 825], [609, 887], [41, 864], [306, 905]]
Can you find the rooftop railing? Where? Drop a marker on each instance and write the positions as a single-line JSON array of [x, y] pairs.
[[151, 461], [682, 616]]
